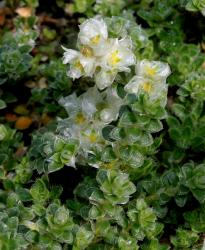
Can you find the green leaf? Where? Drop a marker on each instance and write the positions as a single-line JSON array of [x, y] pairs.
[[39, 191], [2, 104], [23, 194], [184, 238]]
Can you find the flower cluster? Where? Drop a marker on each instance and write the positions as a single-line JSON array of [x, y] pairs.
[[91, 113], [102, 57], [150, 79], [99, 55], [88, 114]]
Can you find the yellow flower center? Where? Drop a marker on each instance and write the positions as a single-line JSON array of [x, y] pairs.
[[86, 51], [147, 87], [150, 71], [95, 40], [92, 137], [109, 165], [114, 58], [80, 119], [78, 65]]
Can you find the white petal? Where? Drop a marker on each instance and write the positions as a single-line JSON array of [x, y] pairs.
[[69, 55], [129, 59], [74, 73], [108, 115], [92, 28], [89, 101], [155, 70], [159, 91], [133, 85], [101, 49], [70, 103], [88, 65], [104, 79], [71, 163], [126, 42], [118, 56]]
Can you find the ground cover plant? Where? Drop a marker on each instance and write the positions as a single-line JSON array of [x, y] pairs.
[[102, 133]]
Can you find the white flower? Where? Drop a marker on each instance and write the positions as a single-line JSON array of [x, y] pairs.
[[112, 106], [90, 140], [82, 109], [71, 104], [150, 80], [119, 56], [69, 55], [99, 56], [90, 100], [155, 70], [81, 63], [104, 79], [91, 135], [93, 32], [88, 115], [77, 120], [138, 85]]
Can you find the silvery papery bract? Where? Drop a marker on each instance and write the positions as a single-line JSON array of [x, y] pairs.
[[99, 55]]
